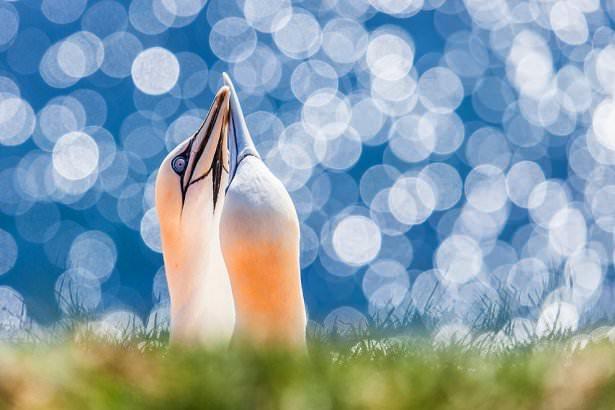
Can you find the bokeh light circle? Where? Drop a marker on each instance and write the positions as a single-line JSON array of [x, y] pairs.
[[155, 71], [9, 254], [356, 240], [232, 39], [75, 155]]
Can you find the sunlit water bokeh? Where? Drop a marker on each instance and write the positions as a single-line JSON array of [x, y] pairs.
[[450, 161]]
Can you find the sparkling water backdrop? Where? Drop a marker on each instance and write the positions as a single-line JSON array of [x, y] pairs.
[[452, 162]]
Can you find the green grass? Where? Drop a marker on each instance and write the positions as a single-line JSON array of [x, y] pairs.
[[377, 367], [143, 372]]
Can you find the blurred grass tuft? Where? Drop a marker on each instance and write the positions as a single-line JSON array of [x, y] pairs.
[[392, 362], [141, 371]]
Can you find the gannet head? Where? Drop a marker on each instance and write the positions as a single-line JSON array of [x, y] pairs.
[[190, 190]]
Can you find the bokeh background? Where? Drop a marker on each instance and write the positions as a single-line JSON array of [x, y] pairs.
[[451, 161]]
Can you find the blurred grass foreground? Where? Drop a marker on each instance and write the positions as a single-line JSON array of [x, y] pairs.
[[575, 373]]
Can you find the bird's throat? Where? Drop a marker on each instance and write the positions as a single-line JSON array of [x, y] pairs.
[[202, 306]]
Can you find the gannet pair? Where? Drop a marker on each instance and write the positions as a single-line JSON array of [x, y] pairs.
[[230, 237]]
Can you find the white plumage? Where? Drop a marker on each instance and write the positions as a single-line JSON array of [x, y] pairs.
[[232, 268]]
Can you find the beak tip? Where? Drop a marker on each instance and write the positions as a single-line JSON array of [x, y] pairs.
[[223, 93], [227, 79]]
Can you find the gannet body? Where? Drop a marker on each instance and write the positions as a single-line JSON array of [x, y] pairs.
[[190, 190], [259, 236]]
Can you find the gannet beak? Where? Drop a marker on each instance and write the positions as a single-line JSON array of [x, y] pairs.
[[208, 146], [240, 142]]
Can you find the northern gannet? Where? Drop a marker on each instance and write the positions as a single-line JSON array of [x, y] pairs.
[[259, 235], [190, 189]]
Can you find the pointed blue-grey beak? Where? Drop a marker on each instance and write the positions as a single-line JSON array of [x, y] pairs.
[[240, 142]]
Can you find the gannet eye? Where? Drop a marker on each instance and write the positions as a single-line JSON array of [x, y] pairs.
[[179, 164]]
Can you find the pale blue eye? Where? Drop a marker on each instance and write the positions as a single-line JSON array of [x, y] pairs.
[[179, 164]]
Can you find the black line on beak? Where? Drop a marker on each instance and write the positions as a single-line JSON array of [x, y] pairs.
[[204, 143], [217, 164], [217, 168]]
